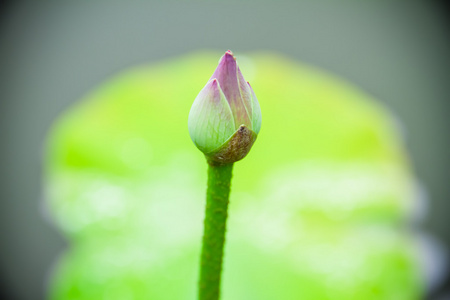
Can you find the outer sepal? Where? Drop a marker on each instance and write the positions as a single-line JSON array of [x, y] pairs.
[[236, 148]]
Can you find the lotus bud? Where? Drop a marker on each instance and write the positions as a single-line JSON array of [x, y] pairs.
[[225, 117]]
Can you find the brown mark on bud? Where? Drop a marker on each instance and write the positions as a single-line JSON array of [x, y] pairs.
[[236, 148]]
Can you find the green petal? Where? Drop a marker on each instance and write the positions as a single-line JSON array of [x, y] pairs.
[[256, 112], [246, 96], [210, 120]]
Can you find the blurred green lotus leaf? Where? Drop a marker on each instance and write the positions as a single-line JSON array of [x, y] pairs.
[[318, 209]]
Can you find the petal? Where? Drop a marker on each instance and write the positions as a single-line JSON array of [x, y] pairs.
[[227, 75], [210, 120], [256, 112], [246, 96]]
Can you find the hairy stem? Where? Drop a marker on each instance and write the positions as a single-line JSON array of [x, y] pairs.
[[219, 180]]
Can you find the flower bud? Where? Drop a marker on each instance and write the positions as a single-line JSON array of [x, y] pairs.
[[225, 117]]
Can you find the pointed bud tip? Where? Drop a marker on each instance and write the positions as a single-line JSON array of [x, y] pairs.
[[213, 83], [250, 86], [229, 54]]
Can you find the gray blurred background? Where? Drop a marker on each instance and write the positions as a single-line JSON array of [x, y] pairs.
[[53, 53]]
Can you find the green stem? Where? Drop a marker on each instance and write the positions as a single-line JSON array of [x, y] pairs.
[[219, 180]]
